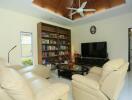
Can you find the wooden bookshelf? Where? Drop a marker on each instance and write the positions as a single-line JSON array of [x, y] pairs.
[[53, 43]]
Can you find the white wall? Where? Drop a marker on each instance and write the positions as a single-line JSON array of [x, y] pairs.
[[113, 30], [11, 23]]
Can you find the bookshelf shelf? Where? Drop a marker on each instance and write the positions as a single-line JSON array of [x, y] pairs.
[[49, 38], [49, 44], [53, 42], [49, 50], [49, 57]]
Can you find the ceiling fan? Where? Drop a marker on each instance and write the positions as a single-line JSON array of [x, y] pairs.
[[80, 10]]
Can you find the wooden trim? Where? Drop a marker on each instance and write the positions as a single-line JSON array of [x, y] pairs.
[[39, 43], [59, 6], [129, 43]]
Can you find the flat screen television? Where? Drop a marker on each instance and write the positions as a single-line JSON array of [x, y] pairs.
[[94, 49]]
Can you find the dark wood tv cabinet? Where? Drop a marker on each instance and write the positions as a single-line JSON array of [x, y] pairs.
[[90, 61]]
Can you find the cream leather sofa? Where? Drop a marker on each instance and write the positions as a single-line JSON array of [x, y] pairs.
[[101, 83], [17, 83]]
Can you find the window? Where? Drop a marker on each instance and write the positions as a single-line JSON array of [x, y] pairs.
[[26, 48]]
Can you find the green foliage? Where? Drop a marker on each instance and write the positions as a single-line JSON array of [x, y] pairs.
[[27, 61]]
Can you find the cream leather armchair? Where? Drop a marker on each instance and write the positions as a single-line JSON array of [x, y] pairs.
[[101, 83]]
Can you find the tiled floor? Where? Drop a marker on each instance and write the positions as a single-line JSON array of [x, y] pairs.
[[126, 93]]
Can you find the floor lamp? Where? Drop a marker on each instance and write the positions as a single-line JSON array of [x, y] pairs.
[[9, 53]]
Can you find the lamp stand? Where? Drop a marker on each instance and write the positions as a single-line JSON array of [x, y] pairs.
[[9, 53]]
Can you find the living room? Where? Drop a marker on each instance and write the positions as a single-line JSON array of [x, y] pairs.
[[111, 26]]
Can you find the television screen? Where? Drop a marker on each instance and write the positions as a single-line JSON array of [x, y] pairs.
[[95, 49]]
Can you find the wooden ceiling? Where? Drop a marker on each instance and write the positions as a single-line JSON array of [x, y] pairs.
[[60, 6]]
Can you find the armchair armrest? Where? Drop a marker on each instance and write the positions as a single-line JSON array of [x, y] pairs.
[[86, 81], [54, 92]]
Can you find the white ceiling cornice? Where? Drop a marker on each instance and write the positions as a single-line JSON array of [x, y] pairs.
[[26, 7]]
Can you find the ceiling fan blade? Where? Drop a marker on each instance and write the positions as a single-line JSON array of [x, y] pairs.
[[72, 8], [89, 9], [83, 4], [82, 14], [70, 16], [73, 13]]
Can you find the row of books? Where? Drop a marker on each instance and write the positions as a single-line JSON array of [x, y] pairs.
[[62, 42], [63, 52], [46, 48], [48, 62], [49, 54], [44, 34], [62, 36], [45, 61], [47, 41], [63, 47]]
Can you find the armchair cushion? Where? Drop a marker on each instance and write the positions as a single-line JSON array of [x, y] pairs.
[[58, 90], [93, 76], [110, 66], [96, 70], [86, 81], [14, 85]]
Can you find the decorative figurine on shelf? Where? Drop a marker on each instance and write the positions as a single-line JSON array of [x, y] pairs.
[[70, 64], [66, 59], [60, 59], [76, 55]]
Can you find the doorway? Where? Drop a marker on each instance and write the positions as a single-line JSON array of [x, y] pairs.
[[26, 48], [130, 47]]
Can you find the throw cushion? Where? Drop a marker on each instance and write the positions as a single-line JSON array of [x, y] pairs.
[[42, 71], [14, 84]]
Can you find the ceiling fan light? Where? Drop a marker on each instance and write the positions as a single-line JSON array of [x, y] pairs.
[[79, 10]]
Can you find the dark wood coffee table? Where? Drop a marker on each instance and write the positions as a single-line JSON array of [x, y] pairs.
[[65, 71]]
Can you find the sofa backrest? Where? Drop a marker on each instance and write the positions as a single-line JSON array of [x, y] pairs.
[[113, 76], [4, 95], [12, 84]]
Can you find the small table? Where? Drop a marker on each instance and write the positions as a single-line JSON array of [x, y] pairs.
[[65, 71]]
